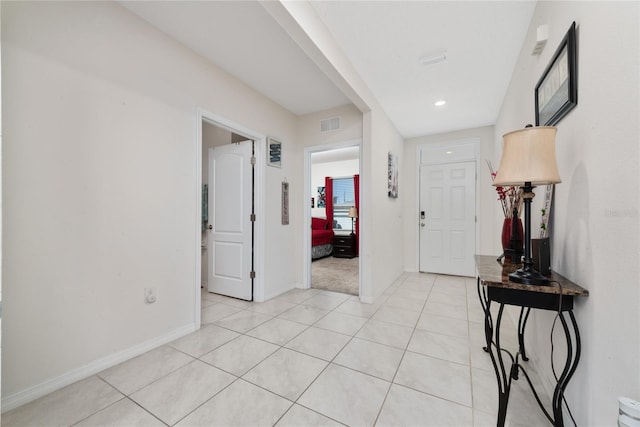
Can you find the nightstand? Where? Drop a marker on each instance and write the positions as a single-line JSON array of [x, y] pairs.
[[344, 246]]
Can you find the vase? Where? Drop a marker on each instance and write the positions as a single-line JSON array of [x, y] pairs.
[[512, 239]]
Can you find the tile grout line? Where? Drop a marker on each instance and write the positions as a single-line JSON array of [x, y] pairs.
[[404, 352]]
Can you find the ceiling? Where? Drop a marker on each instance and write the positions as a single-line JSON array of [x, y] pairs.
[[383, 39], [336, 155]]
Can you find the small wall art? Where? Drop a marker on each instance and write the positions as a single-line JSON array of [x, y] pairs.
[[274, 153], [393, 175], [285, 203], [322, 201]]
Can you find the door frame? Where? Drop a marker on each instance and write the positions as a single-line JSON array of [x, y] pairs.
[[468, 151], [260, 143], [306, 220]]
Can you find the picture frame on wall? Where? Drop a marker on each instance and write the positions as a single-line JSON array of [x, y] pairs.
[[274, 153], [392, 187], [322, 197], [556, 92]]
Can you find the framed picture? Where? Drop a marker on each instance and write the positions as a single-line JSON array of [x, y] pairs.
[[274, 153], [322, 201], [557, 90], [392, 186]]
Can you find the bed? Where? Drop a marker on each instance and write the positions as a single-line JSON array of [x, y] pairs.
[[321, 238]]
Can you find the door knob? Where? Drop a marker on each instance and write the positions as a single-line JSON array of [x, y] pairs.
[[422, 224], [210, 227]]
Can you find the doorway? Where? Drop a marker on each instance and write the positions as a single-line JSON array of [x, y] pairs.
[[229, 226], [230, 220], [332, 215], [447, 210]]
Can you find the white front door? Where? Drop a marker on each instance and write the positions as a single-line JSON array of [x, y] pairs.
[[447, 218], [230, 209]]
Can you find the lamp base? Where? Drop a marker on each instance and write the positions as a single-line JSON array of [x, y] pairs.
[[528, 276], [513, 255]]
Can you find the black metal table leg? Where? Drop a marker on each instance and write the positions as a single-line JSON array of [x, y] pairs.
[[569, 369], [522, 323], [488, 321], [503, 376]]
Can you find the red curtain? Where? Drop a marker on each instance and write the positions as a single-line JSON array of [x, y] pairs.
[[328, 197], [356, 192]]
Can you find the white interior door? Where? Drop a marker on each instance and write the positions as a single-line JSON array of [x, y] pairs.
[[447, 218], [230, 209]]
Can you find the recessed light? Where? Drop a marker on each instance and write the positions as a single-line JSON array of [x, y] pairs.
[[440, 103], [448, 152]]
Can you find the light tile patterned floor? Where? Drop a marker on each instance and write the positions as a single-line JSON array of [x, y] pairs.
[[307, 358]]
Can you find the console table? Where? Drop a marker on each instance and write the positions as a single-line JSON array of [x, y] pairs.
[[494, 287]]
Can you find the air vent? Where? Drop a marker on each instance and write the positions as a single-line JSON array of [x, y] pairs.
[[332, 123]]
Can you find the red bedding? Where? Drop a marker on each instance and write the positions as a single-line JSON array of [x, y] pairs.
[[321, 237], [321, 234]]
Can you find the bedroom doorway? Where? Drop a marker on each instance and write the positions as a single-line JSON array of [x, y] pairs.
[[332, 188]]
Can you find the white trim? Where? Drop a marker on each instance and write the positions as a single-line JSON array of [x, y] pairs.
[[198, 254], [32, 393], [475, 142], [306, 222], [259, 199]]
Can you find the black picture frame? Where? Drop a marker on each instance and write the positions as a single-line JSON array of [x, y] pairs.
[[274, 153], [556, 92]]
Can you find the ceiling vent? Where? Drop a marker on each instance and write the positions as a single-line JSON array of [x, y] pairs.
[[332, 123], [433, 58]]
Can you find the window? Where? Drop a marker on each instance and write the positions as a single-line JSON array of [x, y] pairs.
[[343, 199]]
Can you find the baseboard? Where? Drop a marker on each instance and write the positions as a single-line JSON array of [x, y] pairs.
[[366, 300], [32, 393], [411, 270]]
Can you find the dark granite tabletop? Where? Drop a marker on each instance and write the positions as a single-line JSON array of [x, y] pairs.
[[493, 273]]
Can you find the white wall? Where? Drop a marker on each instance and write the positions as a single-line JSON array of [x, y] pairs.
[[382, 222], [309, 135], [308, 126], [489, 239], [100, 188], [338, 169], [595, 229]]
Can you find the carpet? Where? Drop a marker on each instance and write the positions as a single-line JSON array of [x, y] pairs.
[[335, 274]]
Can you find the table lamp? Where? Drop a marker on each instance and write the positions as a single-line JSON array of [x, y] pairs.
[[528, 160], [353, 214]]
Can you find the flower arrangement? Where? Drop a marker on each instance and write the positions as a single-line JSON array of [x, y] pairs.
[[510, 197]]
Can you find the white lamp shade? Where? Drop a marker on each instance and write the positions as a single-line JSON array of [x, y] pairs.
[[528, 155]]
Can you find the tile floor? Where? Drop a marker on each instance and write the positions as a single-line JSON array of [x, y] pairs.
[[307, 358]]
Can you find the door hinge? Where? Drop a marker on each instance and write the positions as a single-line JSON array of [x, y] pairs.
[[252, 275], [252, 217], [253, 160]]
